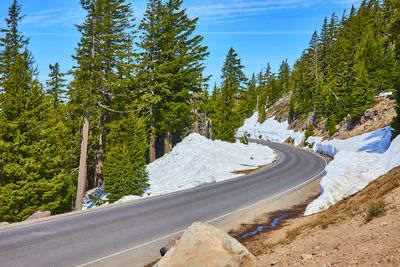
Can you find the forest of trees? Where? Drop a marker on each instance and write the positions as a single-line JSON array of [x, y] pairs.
[[137, 90]]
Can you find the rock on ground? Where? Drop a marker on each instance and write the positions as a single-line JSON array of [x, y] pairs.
[[39, 214], [203, 245]]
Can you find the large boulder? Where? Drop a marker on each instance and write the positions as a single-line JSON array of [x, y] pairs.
[[203, 245]]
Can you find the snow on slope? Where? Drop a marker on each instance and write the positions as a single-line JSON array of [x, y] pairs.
[[197, 161], [357, 162], [271, 130], [374, 142]]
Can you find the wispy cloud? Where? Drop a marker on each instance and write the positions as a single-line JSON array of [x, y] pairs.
[[256, 33], [54, 17], [214, 10], [52, 34]]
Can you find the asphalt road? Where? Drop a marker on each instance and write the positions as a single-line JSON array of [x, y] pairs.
[[95, 236]]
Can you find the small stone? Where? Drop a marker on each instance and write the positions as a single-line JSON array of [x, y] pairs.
[[323, 253], [385, 234], [306, 257], [274, 263], [382, 224], [39, 214], [372, 228]]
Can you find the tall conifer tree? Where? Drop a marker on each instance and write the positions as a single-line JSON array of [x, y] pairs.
[[32, 167], [102, 85], [227, 118], [169, 70], [56, 85]]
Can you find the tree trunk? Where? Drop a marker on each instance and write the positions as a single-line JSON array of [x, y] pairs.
[[196, 127], [82, 178], [100, 161], [168, 143], [152, 149], [209, 129], [153, 142]]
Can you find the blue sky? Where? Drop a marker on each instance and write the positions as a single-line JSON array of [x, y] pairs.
[[260, 31]]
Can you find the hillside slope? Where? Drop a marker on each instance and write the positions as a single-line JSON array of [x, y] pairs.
[[363, 229]]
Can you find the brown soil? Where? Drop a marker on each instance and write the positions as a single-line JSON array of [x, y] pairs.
[[361, 230]]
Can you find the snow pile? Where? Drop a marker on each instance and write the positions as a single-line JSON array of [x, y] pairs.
[[94, 195], [270, 130], [385, 94], [357, 161], [373, 142], [197, 161], [194, 162]]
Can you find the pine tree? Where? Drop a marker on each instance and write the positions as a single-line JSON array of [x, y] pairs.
[[124, 167], [362, 92], [262, 91], [283, 78], [170, 70], [33, 166], [395, 38], [227, 118], [249, 100], [101, 88], [302, 97], [150, 76], [56, 85]]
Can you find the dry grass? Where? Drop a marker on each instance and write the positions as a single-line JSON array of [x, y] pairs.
[[293, 233]]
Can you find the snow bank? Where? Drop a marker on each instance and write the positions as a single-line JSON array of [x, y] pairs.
[[357, 162], [90, 197], [194, 162], [373, 142], [270, 130], [197, 161]]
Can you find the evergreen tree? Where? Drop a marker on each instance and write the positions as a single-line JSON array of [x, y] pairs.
[[227, 118], [124, 167], [249, 100], [33, 167], [283, 78], [56, 85], [302, 97], [184, 55], [102, 84], [262, 91], [362, 95], [170, 70], [395, 37]]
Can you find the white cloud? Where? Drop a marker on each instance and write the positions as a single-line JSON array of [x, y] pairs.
[[215, 10], [55, 17], [256, 33]]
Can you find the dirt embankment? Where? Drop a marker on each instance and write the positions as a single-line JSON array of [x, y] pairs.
[[373, 118], [361, 230]]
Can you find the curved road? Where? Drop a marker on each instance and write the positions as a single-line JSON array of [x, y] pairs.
[[99, 237]]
